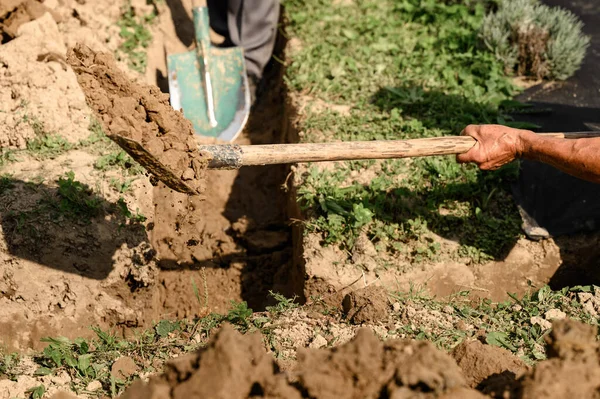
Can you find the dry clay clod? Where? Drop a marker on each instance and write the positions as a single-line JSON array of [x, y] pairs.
[[141, 120]]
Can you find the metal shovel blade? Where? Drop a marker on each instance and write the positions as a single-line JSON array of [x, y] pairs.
[[210, 85]]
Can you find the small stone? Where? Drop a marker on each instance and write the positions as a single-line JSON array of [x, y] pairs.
[[396, 307], [448, 309], [555, 314], [123, 368], [545, 324], [188, 174], [584, 296], [318, 342], [516, 307], [94, 386], [61, 378]]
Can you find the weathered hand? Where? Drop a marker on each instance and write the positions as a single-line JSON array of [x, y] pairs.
[[496, 145]]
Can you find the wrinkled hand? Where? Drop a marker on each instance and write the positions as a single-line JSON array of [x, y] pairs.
[[496, 145]]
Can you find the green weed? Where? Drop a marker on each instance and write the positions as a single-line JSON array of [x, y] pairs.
[[283, 304], [8, 362], [239, 315], [136, 217], [118, 159], [136, 37], [48, 146], [97, 142], [6, 183], [7, 156], [75, 199], [121, 185], [37, 392]]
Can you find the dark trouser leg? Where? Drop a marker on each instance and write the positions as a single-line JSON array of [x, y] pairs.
[[250, 24]]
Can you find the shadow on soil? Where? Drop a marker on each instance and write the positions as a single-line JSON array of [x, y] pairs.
[[66, 227], [494, 228], [498, 229]]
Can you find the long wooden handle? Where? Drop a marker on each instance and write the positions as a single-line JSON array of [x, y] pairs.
[[232, 156]]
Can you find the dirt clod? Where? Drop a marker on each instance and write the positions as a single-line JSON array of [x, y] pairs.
[[14, 13], [141, 113], [367, 305], [488, 368], [236, 366], [123, 368], [573, 367]]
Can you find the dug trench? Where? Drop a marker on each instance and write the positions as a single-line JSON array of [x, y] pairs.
[[234, 245], [234, 242]]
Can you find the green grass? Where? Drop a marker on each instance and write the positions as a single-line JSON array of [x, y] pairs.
[[75, 199], [407, 69], [507, 324], [48, 146], [136, 38], [45, 145], [118, 159]]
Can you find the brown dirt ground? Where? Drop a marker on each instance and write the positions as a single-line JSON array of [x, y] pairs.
[[60, 275], [233, 246], [235, 366]]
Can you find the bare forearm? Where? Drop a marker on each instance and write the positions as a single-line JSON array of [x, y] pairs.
[[580, 158]]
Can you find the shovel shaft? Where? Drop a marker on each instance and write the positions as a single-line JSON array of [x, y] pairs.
[[232, 156]]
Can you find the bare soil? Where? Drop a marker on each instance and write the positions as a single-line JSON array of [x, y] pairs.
[[234, 245], [59, 275]]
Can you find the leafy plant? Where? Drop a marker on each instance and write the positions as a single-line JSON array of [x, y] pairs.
[[48, 146], [535, 39], [37, 392], [136, 217], [118, 159], [76, 199], [136, 37], [8, 361], [283, 304], [239, 314]]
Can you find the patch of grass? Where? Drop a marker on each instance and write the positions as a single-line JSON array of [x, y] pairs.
[[240, 315], [88, 360], [6, 183], [119, 160], [8, 362], [97, 142], [283, 304], [37, 392], [121, 185], [45, 145], [136, 37], [7, 156], [408, 69], [136, 217], [75, 199], [48, 146], [510, 324]]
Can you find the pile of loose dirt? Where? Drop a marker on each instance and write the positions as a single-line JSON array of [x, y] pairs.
[[235, 366], [14, 13], [141, 113]]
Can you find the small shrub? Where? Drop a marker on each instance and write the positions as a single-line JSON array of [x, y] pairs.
[[533, 39]]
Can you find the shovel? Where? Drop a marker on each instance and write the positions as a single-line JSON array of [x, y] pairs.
[[210, 85], [233, 156]]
